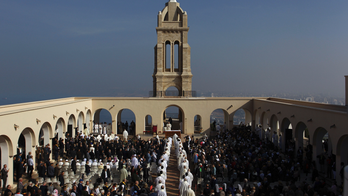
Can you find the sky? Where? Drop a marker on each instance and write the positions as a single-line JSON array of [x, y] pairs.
[[54, 49]]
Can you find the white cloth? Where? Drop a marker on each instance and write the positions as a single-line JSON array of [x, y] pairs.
[[135, 162], [125, 134], [190, 192], [160, 178], [162, 193], [184, 188], [158, 187]]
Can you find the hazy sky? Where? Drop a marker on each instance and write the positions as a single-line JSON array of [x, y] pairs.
[[53, 49]]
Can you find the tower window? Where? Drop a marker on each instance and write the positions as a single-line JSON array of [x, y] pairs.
[[176, 56], [167, 57]]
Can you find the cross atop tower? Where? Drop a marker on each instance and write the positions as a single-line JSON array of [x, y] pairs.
[[172, 52]]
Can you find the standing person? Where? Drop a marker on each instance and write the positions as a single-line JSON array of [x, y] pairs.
[[30, 165], [105, 175], [87, 168], [73, 165], [61, 179], [123, 173], [125, 135], [20, 185], [8, 191], [50, 171], [4, 175], [19, 169]]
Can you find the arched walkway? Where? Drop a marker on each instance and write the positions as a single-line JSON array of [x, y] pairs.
[[286, 135], [60, 128], [71, 126], [321, 147], [45, 134], [239, 117], [127, 119], [219, 119], [80, 122], [174, 115], [6, 156], [341, 156], [26, 141], [102, 122], [301, 135], [148, 123], [197, 124]]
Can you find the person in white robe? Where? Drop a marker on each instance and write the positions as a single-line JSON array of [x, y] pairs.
[[166, 156], [182, 173], [162, 192], [106, 138], [159, 186], [190, 192], [98, 138], [100, 129], [91, 149], [135, 161], [160, 178], [183, 188], [169, 127], [190, 175], [181, 182], [164, 164], [125, 135], [188, 180]]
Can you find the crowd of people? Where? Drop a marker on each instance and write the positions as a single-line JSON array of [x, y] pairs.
[[238, 162], [104, 166], [234, 162]]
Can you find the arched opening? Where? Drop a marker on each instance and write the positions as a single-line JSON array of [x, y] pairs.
[[126, 118], [71, 127], [6, 153], [198, 124], [26, 142], [81, 122], [218, 120], [60, 128], [342, 154], [321, 148], [148, 124], [173, 119], [286, 140], [302, 136], [88, 122], [176, 56], [168, 56], [273, 130], [239, 117], [45, 135], [172, 91], [102, 122]]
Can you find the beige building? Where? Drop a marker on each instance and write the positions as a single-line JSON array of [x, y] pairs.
[[304, 122]]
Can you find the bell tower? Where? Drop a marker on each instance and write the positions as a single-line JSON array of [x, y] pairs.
[[172, 52]]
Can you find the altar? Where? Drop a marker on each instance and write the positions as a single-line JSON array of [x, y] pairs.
[[172, 132]]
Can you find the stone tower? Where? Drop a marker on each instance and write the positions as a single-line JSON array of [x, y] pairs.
[[172, 52]]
